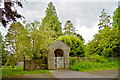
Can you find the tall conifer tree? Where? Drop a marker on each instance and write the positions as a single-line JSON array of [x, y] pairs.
[[104, 20], [69, 29], [14, 31], [51, 20]]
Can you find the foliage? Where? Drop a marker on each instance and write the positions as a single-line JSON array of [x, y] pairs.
[[80, 37], [4, 57], [96, 57], [31, 41], [39, 39], [11, 39], [97, 65], [76, 45], [72, 60], [116, 18], [3, 53], [104, 20], [1, 38], [12, 35], [28, 41], [105, 43], [69, 29], [51, 20], [6, 72], [8, 13], [12, 61]]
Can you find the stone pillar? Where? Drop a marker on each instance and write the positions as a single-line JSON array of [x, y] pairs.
[[51, 61]]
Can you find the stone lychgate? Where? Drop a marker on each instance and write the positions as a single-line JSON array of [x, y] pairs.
[[58, 56]]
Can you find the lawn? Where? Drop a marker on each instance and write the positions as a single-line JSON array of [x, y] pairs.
[[94, 65], [6, 72]]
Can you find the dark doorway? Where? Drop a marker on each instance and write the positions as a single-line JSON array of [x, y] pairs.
[[59, 59], [58, 53]]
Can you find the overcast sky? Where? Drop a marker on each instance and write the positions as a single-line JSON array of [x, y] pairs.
[[83, 14]]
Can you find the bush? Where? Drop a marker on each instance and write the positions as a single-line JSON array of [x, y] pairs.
[[105, 43], [72, 60], [94, 65], [76, 45], [102, 60], [97, 57]]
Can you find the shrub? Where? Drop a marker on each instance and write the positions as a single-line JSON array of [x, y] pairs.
[[94, 65], [72, 60], [96, 57], [76, 45]]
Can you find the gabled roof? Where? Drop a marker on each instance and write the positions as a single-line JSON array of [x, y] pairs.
[[59, 42]]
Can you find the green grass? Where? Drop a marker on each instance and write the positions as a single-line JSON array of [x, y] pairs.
[[94, 65], [6, 72]]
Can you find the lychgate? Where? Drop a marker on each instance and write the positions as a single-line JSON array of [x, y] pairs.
[[58, 56]]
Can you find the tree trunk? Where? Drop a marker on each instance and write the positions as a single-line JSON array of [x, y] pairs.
[[24, 64]]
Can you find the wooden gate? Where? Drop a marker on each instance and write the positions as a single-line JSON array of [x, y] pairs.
[[59, 62]]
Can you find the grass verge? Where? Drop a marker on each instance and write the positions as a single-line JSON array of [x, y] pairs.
[[94, 65], [6, 72]]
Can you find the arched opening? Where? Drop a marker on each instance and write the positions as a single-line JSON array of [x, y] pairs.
[[59, 53], [59, 58]]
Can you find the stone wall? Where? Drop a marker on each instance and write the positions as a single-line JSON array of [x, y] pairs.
[[78, 59], [20, 64], [37, 64]]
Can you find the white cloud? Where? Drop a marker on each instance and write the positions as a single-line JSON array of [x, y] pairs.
[[33, 10], [84, 15], [3, 30], [73, 0], [87, 33]]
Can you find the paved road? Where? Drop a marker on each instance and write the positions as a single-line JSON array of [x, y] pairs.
[[93, 74], [73, 74], [41, 75]]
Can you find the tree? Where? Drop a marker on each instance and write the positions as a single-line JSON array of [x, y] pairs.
[[3, 53], [8, 14], [27, 42], [14, 31], [104, 20], [116, 18], [11, 39], [33, 43], [39, 38], [80, 37], [105, 43], [76, 45], [69, 29], [51, 20]]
